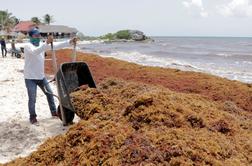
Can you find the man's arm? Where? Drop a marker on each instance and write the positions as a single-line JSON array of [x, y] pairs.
[[36, 50], [60, 45], [67, 43]]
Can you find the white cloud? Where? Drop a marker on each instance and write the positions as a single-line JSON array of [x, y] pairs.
[[239, 8], [196, 6]]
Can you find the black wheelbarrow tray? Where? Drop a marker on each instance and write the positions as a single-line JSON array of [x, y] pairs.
[[69, 77]]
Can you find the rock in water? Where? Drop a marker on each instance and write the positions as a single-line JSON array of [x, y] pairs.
[[137, 35]]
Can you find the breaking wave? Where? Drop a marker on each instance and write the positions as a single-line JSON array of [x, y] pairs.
[[151, 60]]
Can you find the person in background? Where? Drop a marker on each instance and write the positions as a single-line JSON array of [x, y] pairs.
[[34, 70], [13, 48], [3, 47]]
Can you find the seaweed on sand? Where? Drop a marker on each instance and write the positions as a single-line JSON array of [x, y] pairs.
[[127, 123]]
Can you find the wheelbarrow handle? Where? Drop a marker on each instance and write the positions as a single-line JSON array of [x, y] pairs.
[[55, 68], [54, 61], [52, 80], [74, 53], [46, 91]]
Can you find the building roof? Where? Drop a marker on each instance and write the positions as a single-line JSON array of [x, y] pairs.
[[24, 26], [56, 29]]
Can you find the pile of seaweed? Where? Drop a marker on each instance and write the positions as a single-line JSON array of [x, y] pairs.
[[212, 87], [128, 123]]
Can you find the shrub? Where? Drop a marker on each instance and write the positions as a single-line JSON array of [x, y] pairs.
[[123, 34], [109, 36]]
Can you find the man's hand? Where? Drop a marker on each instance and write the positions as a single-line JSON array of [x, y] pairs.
[[73, 41], [49, 39]]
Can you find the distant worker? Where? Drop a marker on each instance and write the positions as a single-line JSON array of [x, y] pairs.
[[34, 70], [14, 51], [3, 47]]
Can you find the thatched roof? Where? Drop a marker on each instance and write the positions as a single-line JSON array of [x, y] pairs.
[[56, 29]]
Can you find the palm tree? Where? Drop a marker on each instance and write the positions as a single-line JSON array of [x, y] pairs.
[[48, 19], [7, 21], [16, 20], [36, 20]]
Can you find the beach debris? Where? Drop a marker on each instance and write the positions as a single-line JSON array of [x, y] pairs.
[[128, 123]]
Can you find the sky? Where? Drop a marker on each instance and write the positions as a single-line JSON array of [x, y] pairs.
[[154, 17]]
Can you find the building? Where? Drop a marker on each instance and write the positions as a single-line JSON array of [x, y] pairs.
[[24, 26], [58, 31]]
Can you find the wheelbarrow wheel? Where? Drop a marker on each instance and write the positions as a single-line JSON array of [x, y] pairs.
[[68, 113], [18, 55]]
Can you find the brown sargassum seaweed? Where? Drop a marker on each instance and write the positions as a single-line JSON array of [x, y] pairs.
[[129, 123]]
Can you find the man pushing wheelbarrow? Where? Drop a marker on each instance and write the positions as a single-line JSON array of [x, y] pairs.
[[34, 70]]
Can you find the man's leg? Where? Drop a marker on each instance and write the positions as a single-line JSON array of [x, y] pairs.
[[44, 85], [5, 51], [2, 51], [16, 53], [32, 92]]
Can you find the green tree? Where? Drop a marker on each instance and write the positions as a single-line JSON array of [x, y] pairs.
[[48, 19], [16, 20], [123, 34], [7, 21], [109, 36], [36, 20]]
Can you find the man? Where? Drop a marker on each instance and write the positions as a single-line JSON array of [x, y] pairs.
[[13, 48], [34, 70], [3, 47]]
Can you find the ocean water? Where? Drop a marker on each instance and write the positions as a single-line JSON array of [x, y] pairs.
[[222, 56]]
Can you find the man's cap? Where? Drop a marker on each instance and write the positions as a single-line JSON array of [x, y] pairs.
[[33, 31]]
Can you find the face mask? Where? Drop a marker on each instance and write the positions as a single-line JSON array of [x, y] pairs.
[[35, 41]]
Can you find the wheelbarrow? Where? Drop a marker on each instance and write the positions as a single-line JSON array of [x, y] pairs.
[[17, 52], [68, 78]]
